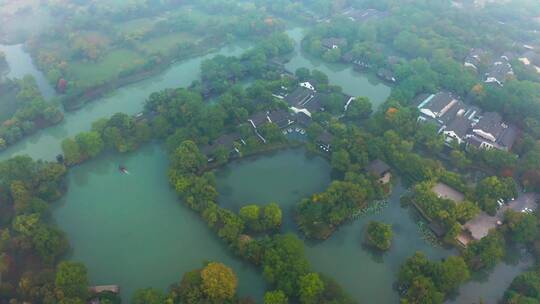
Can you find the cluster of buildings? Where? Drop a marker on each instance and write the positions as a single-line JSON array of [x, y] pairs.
[[363, 15], [500, 69], [302, 102], [466, 124]]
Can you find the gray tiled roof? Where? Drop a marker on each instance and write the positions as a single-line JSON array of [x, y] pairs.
[[330, 42], [508, 137], [281, 118], [491, 123], [378, 167], [299, 97], [460, 125]]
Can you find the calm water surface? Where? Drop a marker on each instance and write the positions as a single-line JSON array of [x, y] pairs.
[[129, 99], [21, 64], [352, 82], [132, 230], [288, 176]]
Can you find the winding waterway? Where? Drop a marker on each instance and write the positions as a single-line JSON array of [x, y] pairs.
[[132, 230], [288, 176], [129, 99], [343, 75], [20, 64]]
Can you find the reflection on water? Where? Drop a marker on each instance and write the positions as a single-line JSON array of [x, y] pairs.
[[352, 82], [21, 64], [132, 230], [130, 99]]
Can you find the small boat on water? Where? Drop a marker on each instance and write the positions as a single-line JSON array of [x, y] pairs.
[[123, 169]]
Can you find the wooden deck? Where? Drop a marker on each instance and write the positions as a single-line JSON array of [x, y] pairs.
[[102, 288]]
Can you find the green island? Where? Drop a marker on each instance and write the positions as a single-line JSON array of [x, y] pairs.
[[273, 152], [379, 235]]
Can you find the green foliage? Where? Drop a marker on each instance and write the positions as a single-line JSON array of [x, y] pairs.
[[319, 215], [275, 297], [219, 282], [31, 111], [148, 296], [259, 219], [486, 253], [284, 263], [187, 159], [379, 235], [444, 211], [491, 189], [521, 227], [429, 282], [525, 288], [72, 281], [311, 288], [359, 108]]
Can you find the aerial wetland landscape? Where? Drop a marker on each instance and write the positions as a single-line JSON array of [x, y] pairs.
[[289, 151]]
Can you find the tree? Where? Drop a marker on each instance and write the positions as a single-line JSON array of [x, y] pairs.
[[219, 282], [522, 227], [491, 189], [148, 296], [4, 264], [272, 217], [303, 74], [284, 262], [459, 159], [275, 297], [72, 151], [250, 215], [453, 271], [359, 108], [341, 160], [71, 280], [526, 284], [187, 158], [423, 290], [379, 235], [90, 143], [486, 253], [311, 288]]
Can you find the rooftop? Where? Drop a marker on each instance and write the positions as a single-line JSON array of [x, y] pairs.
[[378, 167], [280, 117], [325, 138], [447, 192], [491, 122], [299, 97], [460, 125], [362, 15], [499, 71], [481, 224], [333, 41], [438, 103]]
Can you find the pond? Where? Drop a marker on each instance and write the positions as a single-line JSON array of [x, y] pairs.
[[132, 230], [352, 82], [46, 144], [20, 64], [287, 176]]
